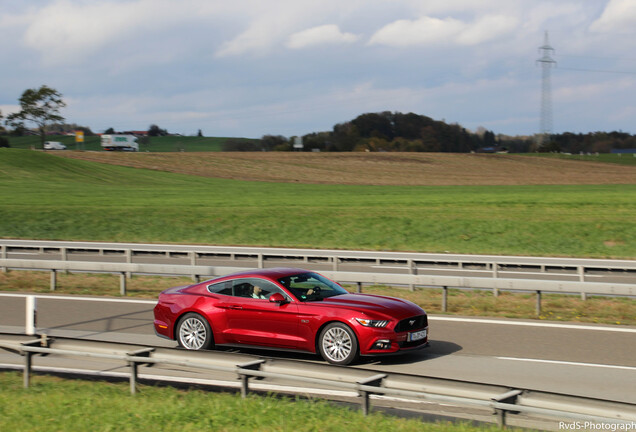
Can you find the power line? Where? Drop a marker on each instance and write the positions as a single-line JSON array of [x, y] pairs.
[[598, 70], [597, 57]]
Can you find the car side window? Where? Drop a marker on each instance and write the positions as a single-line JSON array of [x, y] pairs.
[[255, 288], [224, 288]]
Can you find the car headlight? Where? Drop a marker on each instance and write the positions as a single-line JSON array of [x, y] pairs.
[[372, 323]]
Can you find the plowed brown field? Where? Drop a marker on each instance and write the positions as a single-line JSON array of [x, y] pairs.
[[433, 169]]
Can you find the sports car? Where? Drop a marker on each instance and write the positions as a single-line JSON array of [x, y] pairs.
[[291, 309]]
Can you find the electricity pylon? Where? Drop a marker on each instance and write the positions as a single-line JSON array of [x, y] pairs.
[[547, 63]]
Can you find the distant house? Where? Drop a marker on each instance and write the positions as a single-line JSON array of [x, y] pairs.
[[136, 133]]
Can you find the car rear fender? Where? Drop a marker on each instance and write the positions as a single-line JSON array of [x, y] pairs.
[[187, 311]]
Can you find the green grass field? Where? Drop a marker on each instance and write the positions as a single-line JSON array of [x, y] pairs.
[[156, 144], [46, 197]]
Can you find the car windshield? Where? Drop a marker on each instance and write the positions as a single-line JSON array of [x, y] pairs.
[[311, 286]]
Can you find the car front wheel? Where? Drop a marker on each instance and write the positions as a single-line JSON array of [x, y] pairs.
[[338, 344], [194, 332]]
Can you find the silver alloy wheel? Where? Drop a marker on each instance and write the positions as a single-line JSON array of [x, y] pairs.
[[192, 333], [337, 344]]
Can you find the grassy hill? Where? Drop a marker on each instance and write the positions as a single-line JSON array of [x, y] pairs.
[[48, 197]]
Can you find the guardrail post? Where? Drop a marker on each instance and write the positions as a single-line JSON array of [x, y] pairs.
[[253, 365], [506, 398], [53, 279], [581, 271], [3, 255], [64, 254], [359, 289], [129, 261], [31, 315], [260, 261], [134, 366], [375, 381], [444, 298], [334, 261], [538, 303], [28, 362], [495, 275], [122, 283], [44, 341], [193, 263], [413, 271]]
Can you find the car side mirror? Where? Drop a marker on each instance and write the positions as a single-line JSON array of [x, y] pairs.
[[277, 298]]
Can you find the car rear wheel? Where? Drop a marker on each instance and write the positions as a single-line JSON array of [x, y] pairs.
[[338, 344], [194, 332]]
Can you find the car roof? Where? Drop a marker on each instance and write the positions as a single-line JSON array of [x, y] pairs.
[[271, 273]]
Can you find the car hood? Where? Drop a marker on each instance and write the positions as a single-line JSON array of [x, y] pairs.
[[388, 306]]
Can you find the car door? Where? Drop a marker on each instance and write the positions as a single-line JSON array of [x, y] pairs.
[[257, 321]]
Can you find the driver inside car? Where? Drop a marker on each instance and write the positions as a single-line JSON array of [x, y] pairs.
[[257, 292], [310, 292]]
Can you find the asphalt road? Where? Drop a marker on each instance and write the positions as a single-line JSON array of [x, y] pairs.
[[583, 360]]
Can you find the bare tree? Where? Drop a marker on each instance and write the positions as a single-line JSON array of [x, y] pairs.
[[40, 106]]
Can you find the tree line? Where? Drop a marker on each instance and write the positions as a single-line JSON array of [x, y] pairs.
[[382, 131], [395, 131]]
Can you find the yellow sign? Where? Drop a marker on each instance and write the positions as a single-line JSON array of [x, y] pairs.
[[79, 136]]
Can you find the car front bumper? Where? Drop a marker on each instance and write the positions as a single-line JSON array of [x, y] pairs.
[[383, 341]]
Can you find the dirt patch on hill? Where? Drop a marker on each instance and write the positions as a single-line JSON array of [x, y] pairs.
[[374, 168]]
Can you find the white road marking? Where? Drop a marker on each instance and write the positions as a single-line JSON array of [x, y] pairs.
[[568, 363], [535, 324], [96, 299], [617, 329]]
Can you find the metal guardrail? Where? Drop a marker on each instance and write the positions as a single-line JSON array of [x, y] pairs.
[[502, 401], [539, 274], [322, 255], [359, 278]]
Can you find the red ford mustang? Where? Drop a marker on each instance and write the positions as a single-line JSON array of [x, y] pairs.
[[290, 309]]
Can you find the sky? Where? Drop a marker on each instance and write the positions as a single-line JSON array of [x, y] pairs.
[[248, 68]]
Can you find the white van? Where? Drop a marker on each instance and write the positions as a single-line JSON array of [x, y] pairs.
[[54, 145]]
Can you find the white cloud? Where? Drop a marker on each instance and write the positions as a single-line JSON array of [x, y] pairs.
[[268, 25], [425, 30], [258, 38], [487, 29], [321, 35], [65, 30], [448, 31], [618, 16]]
